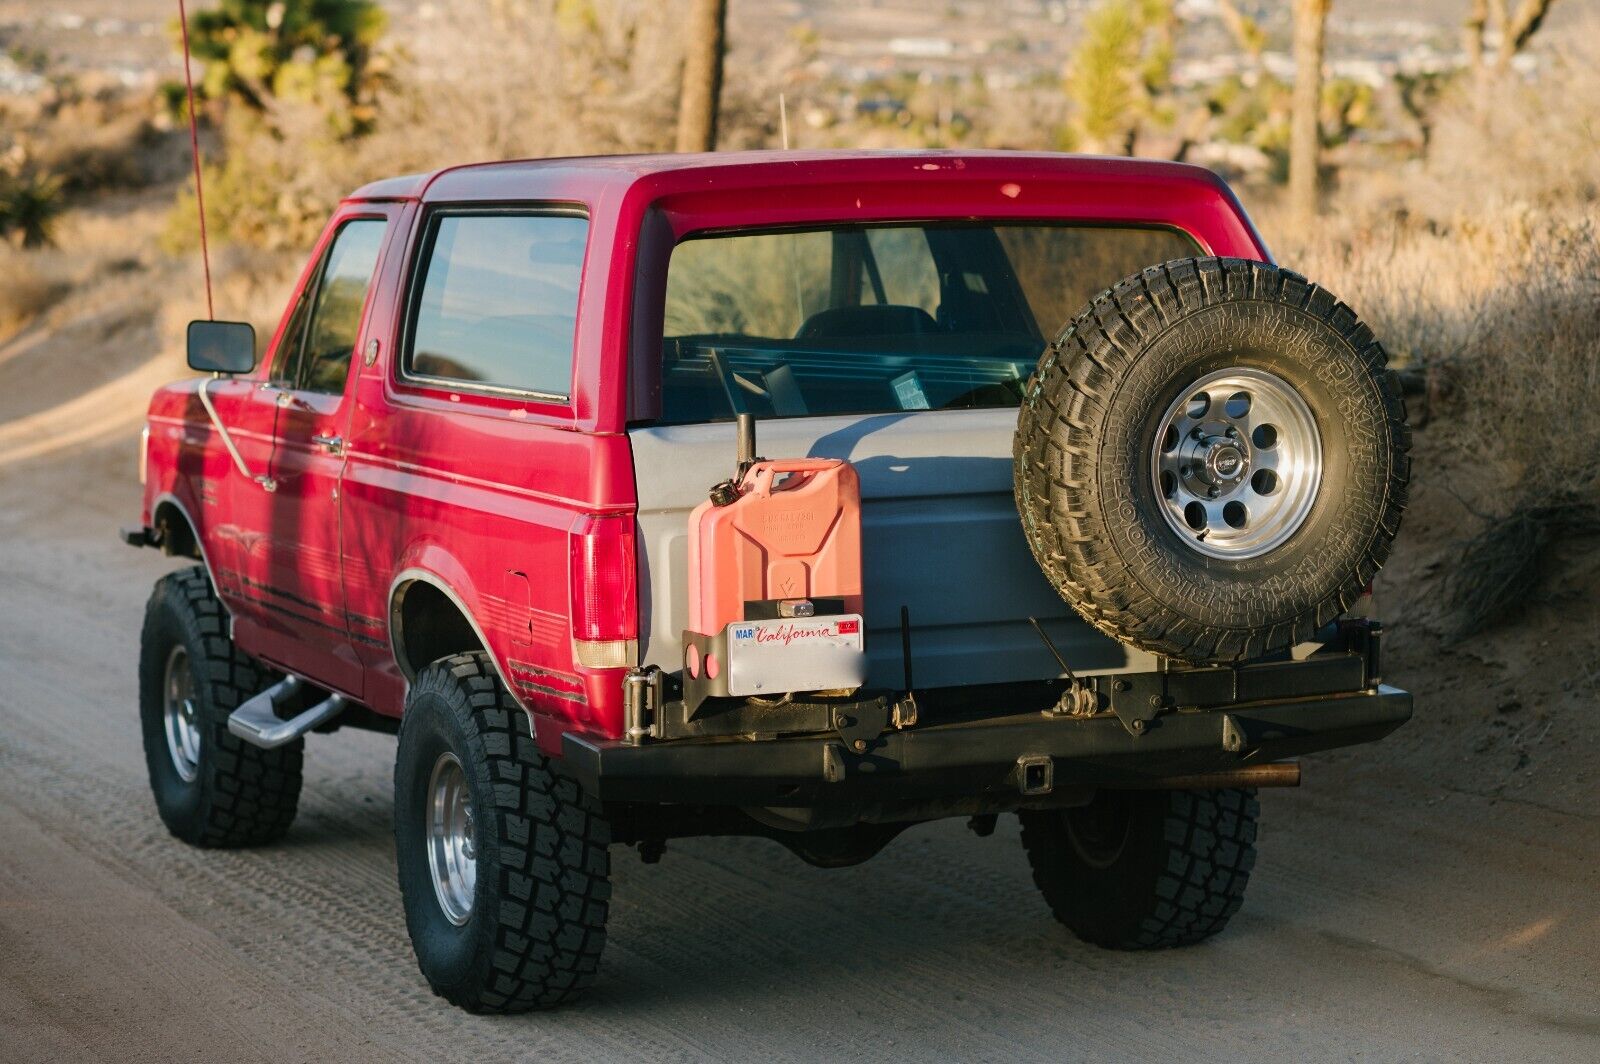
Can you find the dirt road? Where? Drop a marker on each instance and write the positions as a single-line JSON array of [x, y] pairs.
[[1389, 918]]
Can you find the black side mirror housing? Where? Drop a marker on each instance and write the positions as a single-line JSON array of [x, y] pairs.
[[222, 346]]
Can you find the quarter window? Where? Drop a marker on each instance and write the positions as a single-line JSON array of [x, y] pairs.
[[498, 301]]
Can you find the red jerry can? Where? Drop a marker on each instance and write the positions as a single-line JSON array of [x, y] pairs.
[[793, 532]]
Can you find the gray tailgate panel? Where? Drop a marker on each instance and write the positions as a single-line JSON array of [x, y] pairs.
[[940, 535]]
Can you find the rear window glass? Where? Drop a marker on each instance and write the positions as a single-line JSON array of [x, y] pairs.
[[498, 301], [857, 320]]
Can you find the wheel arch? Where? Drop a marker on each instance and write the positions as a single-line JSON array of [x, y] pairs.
[[179, 534], [180, 537], [418, 593]]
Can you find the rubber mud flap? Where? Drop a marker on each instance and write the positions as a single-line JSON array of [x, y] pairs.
[[1211, 460]]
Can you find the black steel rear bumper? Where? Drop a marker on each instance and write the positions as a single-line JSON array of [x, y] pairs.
[[981, 757]]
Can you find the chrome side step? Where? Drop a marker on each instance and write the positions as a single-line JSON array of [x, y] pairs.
[[256, 721]]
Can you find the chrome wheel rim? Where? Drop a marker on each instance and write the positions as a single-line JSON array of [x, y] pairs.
[[452, 850], [180, 716], [1236, 463]]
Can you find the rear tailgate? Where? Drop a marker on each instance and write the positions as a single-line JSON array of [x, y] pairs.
[[940, 536]]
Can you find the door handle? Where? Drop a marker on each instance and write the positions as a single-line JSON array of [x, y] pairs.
[[332, 444]]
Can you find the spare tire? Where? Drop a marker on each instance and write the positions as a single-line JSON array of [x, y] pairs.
[[1211, 460]]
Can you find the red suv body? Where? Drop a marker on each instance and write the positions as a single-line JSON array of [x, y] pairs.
[[399, 489], [1107, 578]]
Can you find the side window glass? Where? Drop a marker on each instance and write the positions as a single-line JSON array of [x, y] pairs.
[[341, 293], [770, 285], [286, 359], [498, 302]]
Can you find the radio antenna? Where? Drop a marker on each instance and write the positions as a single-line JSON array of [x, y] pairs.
[[783, 120], [194, 150]]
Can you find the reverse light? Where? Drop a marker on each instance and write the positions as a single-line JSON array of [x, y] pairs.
[[603, 589], [144, 455]]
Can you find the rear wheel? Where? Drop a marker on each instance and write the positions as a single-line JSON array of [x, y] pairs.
[[211, 788], [1145, 869], [502, 859]]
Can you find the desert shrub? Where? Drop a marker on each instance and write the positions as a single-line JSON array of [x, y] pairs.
[[273, 56], [265, 192], [34, 282], [1536, 146], [29, 206], [1524, 420], [488, 79], [494, 79]]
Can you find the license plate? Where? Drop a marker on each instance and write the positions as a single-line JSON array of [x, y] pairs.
[[796, 654]]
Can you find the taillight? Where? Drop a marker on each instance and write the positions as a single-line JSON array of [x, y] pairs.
[[602, 579]]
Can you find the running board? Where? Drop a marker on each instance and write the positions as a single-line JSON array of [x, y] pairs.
[[256, 721]]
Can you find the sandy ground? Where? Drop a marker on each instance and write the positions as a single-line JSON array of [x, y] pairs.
[[1432, 898], [1388, 919]]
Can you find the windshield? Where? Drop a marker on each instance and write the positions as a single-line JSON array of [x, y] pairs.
[[865, 320]]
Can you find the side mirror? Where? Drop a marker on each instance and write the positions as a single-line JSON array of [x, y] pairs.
[[222, 346]]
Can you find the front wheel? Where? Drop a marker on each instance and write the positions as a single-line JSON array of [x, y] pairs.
[[502, 859], [1145, 869], [211, 788]]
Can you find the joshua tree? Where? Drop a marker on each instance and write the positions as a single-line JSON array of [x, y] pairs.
[[266, 54], [1514, 30], [1117, 77], [702, 76], [1305, 133]]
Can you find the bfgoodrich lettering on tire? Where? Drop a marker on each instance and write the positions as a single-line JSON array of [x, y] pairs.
[[502, 860], [1211, 460]]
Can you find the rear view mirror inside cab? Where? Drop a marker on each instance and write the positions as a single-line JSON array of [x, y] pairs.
[[222, 346]]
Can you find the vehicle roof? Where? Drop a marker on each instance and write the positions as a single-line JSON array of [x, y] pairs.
[[617, 172]]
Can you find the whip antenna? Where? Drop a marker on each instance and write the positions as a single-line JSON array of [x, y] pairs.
[[194, 148]]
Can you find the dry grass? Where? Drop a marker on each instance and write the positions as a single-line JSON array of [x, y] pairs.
[[1479, 266], [1499, 314], [35, 281]]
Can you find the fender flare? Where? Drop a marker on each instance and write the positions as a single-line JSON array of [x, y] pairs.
[[415, 575], [167, 498]]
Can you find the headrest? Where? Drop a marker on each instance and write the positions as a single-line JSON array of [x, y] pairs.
[[877, 319]]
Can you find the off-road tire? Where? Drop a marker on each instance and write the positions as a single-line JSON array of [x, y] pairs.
[[1090, 415], [536, 926], [241, 795], [1177, 878]]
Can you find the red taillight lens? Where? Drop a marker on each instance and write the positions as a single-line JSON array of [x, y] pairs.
[[603, 578]]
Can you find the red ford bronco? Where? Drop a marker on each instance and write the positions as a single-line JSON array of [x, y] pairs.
[[1071, 500]]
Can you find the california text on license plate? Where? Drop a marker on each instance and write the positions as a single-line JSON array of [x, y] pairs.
[[796, 654]]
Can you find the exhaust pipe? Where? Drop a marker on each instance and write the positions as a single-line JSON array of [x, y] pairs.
[[1276, 774]]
